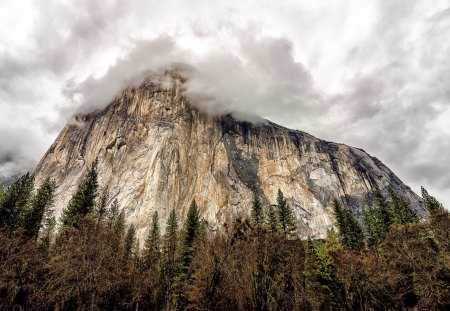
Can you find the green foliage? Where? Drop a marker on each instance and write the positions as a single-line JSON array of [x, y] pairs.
[[83, 201], [15, 203], [172, 223], [272, 219], [191, 232], [350, 230], [323, 253], [119, 224], [41, 205], [130, 242], [432, 205], [286, 219], [152, 246], [401, 211], [375, 225], [257, 210]]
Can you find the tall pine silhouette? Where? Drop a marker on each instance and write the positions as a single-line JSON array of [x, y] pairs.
[[350, 230], [83, 201]]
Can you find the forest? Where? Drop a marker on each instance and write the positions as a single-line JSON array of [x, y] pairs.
[[89, 259]]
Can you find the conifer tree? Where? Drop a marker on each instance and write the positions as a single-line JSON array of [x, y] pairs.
[[272, 219], [350, 230], [190, 235], [383, 206], [257, 210], [16, 202], [152, 252], [119, 224], [83, 201], [432, 205], [41, 203], [400, 210], [286, 217], [375, 225], [130, 242], [168, 267]]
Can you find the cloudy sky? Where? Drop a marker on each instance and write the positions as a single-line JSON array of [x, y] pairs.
[[372, 74]]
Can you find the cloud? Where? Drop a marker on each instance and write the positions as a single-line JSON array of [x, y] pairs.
[[373, 74]]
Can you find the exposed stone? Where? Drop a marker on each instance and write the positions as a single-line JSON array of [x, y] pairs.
[[157, 152]]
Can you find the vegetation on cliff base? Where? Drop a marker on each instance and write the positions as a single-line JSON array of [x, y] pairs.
[[389, 261]]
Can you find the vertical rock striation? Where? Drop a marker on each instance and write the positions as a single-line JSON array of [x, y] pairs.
[[157, 152]]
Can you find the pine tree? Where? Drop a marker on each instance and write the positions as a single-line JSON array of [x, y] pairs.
[[190, 231], [190, 235], [432, 205], [83, 201], [130, 242], [286, 217], [41, 203], [350, 230], [400, 210], [168, 267], [257, 210], [119, 224], [272, 219], [152, 252], [383, 207], [15, 203], [375, 225]]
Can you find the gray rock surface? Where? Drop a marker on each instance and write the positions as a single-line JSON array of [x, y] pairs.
[[158, 152]]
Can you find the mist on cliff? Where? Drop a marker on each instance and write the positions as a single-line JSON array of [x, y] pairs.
[[372, 74]]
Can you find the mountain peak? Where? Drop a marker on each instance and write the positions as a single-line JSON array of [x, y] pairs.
[[157, 151]]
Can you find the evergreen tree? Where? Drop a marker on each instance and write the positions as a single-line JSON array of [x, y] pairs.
[[168, 268], [350, 230], [119, 224], [432, 205], [40, 204], [383, 206], [286, 217], [257, 210], [191, 231], [113, 213], [400, 210], [378, 219], [16, 202], [272, 219], [375, 226], [151, 252], [83, 201], [187, 248], [130, 242]]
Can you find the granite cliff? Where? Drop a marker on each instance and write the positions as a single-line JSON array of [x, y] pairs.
[[157, 152]]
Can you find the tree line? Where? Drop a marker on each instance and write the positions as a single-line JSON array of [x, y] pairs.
[[391, 260]]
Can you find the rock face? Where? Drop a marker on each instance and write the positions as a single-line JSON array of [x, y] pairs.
[[157, 152]]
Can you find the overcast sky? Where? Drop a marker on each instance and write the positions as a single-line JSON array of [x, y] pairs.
[[371, 74]]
